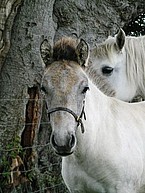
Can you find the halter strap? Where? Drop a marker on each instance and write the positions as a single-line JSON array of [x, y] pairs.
[[78, 119]]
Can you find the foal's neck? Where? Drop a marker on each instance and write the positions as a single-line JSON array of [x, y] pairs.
[[96, 108]]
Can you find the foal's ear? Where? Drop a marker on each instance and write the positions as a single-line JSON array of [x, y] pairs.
[[82, 52], [120, 39], [46, 52]]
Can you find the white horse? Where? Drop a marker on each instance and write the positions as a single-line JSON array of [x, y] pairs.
[[101, 139], [122, 60]]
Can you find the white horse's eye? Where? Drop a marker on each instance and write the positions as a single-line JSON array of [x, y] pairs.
[[85, 89], [106, 70]]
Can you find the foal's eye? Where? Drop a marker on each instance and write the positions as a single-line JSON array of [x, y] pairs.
[[85, 89], [106, 70], [43, 89]]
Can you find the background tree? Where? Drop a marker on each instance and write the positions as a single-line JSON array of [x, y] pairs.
[[27, 163]]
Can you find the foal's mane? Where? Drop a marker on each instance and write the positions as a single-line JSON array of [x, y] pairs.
[[65, 49]]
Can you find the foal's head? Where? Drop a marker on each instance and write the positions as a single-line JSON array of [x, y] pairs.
[[65, 84]]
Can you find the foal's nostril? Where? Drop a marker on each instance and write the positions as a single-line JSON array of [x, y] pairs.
[[63, 145], [53, 142], [72, 141]]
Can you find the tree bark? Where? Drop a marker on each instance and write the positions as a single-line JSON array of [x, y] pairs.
[[23, 26]]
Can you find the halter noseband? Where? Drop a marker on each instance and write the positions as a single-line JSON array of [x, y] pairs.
[[78, 119]]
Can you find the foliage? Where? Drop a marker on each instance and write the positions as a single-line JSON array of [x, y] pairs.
[[12, 150], [136, 27]]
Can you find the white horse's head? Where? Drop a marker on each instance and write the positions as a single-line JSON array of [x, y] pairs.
[[64, 84], [109, 60]]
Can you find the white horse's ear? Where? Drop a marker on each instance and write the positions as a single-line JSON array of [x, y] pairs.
[[120, 39], [82, 51], [46, 53]]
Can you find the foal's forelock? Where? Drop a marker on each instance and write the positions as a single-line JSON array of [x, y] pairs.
[[65, 49]]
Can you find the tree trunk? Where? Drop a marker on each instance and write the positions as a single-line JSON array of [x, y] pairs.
[[27, 162]]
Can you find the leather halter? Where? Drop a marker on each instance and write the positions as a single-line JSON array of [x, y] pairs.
[[77, 118]]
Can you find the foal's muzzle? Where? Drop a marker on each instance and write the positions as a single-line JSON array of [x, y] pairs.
[[66, 149]]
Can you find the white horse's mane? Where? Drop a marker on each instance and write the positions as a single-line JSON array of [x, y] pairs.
[[135, 56], [105, 48], [135, 60]]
